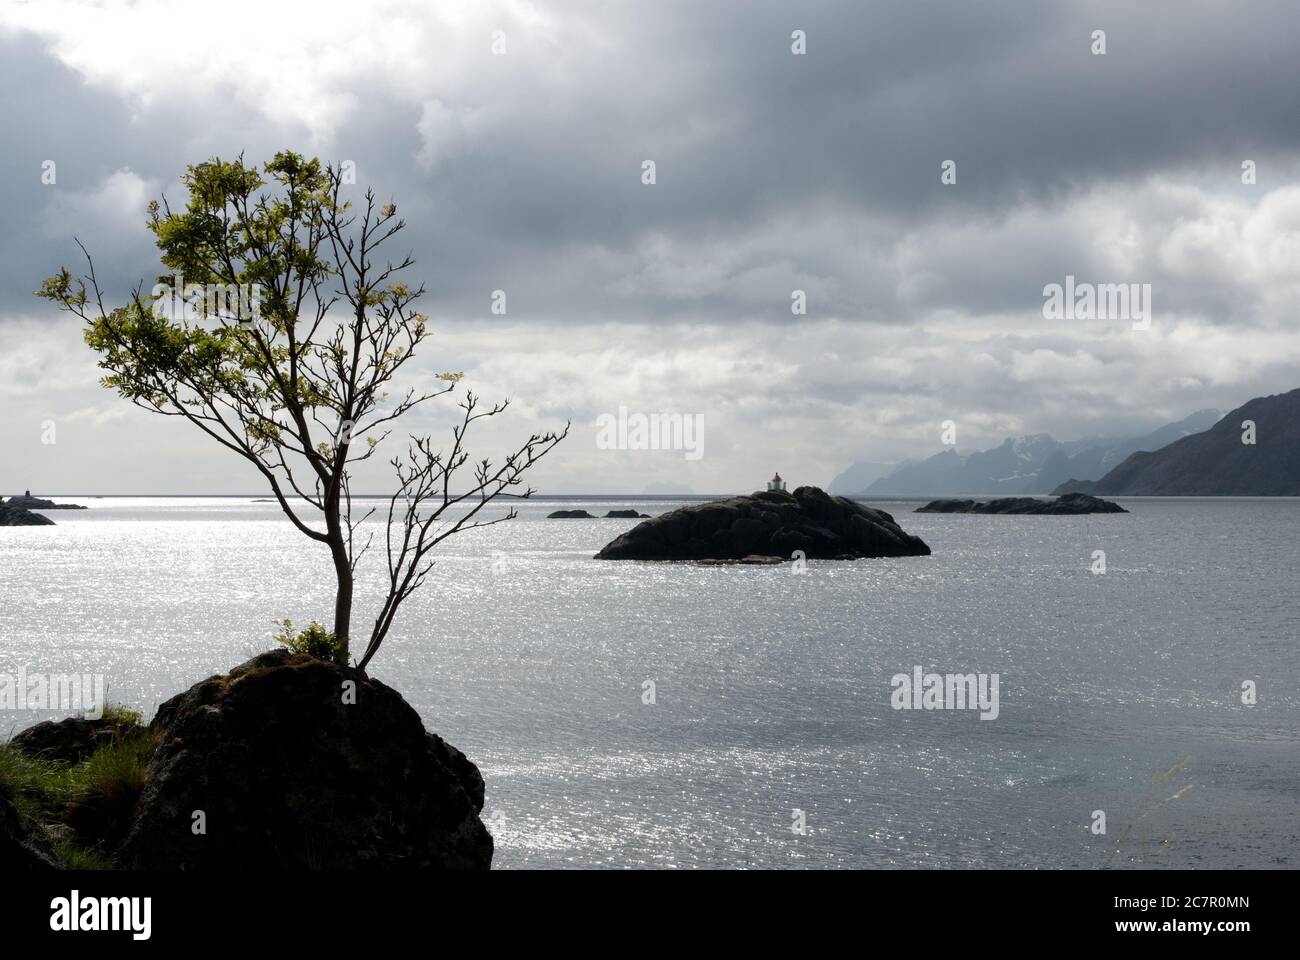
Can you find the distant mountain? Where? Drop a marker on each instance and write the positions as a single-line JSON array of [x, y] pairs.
[[1099, 457], [1060, 467], [1010, 467], [1031, 464], [1215, 462], [860, 476]]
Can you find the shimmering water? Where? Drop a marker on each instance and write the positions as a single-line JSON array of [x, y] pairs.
[[772, 688]]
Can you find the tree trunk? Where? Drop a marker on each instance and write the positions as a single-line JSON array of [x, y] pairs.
[[342, 602]]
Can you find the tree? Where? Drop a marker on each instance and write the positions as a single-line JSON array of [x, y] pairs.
[[240, 341]]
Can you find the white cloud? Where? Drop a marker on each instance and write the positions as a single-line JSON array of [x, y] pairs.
[[298, 63], [112, 210], [521, 172], [444, 132]]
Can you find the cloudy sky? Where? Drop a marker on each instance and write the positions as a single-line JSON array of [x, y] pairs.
[[521, 170]]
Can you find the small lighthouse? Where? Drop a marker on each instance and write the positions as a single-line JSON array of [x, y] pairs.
[[776, 484]]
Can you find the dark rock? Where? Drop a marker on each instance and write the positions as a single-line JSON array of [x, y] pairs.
[[948, 506], [1068, 504], [28, 502], [24, 844], [570, 515], [767, 524], [71, 740], [719, 544], [626, 515], [289, 776], [786, 540], [747, 533], [11, 516], [468, 775]]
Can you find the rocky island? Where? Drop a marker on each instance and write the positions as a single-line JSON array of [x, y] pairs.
[[17, 511], [771, 524], [12, 516], [1068, 504], [28, 502], [584, 515]]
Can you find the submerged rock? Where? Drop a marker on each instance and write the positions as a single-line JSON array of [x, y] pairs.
[[766, 525], [297, 763], [753, 559], [1070, 503]]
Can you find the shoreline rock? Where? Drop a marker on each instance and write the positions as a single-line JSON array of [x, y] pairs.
[[1066, 505], [24, 844], [70, 740], [294, 772], [768, 524]]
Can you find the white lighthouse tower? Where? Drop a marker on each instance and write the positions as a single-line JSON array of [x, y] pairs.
[[776, 484]]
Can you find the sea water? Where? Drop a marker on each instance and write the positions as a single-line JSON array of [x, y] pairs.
[[631, 714]]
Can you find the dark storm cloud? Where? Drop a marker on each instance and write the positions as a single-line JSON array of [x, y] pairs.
[[534, 183], [775, 173]]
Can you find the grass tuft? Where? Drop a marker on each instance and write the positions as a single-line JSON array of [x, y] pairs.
[[88, 804]]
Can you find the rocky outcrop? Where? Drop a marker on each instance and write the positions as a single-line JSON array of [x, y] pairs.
[[767, 524], [298, 763], [71, 740], [626, 515], [570, 515], [28, 502], [1071, 503], [24, 844], [11, 516]]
